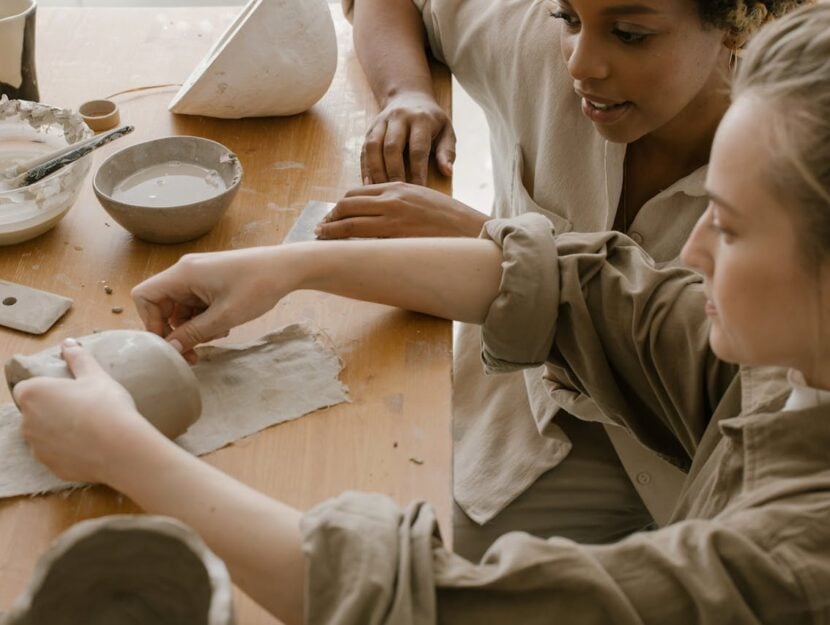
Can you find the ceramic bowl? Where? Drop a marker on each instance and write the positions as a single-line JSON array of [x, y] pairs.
[[146, 570], [29, 130], [182, 216]]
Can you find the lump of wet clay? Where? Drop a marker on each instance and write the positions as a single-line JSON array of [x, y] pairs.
[[137, 569], [163, 386], [277, 58]]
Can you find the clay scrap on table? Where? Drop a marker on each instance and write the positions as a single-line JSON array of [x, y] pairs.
[[245, 388]]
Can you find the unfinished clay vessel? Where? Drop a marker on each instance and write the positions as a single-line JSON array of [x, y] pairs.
[[164, 388], [169, 190], [142, 570], [277, 58]]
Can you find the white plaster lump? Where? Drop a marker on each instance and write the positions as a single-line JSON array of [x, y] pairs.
[[277, 58]]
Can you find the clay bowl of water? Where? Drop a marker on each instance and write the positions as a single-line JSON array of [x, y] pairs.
[[169, 190], [29, 130]]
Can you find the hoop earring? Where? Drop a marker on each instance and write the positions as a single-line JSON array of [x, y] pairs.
[[733, 59]]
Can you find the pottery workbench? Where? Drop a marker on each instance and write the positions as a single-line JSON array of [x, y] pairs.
[[393, 437]]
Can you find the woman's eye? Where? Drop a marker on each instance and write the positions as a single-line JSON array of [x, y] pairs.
[[724, 234], [570, 20], [627, 36]]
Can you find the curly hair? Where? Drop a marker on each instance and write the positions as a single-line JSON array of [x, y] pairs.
[[743, 17]]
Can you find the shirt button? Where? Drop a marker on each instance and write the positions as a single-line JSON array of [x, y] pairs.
[[643, 478], [636, 237]]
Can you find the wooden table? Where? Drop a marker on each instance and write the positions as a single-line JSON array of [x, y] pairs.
[[393, 437]]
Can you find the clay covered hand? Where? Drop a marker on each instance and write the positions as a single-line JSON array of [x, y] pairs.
[[398, 209], [402, 136], [203, 296], [76, 426]]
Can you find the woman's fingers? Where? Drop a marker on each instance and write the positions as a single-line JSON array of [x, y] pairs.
[[81, 363], [445, 150], [372, 166], [363, 227], [202, 328], [420, 147], [394, 144]]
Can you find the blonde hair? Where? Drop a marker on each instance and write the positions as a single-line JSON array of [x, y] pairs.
[[787, 66]]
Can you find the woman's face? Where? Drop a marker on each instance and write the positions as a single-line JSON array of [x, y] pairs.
[[763, 301], [641, 65]]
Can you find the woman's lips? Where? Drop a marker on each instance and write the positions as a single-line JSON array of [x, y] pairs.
[[604, 113]]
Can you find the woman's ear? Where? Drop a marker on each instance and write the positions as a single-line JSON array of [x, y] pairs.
[[734, 40]]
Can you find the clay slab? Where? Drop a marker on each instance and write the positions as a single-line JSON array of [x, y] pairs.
[[30, 310]]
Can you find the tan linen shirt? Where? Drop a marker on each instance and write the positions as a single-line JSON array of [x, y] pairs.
[[548, 159], [749, 541]]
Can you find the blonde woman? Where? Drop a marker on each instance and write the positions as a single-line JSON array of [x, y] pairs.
[[601, 117], [727, 370]]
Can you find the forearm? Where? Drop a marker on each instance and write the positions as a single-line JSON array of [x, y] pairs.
[[389, 41], [453, 278], [256, 536]]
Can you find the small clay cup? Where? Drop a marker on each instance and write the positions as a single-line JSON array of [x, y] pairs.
[[172, 224], [161, 383], [100, 115], [145, 570]]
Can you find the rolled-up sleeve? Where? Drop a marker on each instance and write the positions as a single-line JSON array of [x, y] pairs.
[[369, 562], [519, 327], [373, 563], [610, 326]]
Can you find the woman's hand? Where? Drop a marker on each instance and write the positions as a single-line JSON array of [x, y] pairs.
[[397, 209], [203, 296], [402, 136], [76, 427]]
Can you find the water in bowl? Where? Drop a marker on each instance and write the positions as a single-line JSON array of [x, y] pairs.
[[173, 183]]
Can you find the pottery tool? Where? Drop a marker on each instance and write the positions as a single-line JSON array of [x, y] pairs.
[[28, 173], [311, 215]]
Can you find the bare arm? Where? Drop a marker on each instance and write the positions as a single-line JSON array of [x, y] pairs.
[[203, 296], [389, 40], [88, 430], [257, 537]]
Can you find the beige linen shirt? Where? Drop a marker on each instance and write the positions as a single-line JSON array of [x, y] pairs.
[[749, 540], [547, 159]]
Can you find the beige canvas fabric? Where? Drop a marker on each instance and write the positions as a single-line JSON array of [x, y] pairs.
[[547, 159], [749, 541], [245, 388]]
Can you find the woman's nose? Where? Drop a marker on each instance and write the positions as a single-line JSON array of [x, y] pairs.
[[698, 251], [586, 58]]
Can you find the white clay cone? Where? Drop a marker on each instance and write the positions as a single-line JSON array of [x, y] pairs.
[[277, 58]]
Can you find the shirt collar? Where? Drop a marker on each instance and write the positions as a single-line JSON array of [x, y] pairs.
[[803, 396]]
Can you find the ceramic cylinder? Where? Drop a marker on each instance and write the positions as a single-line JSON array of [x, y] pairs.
[[18, 77], [146, 570], [161, 383]]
